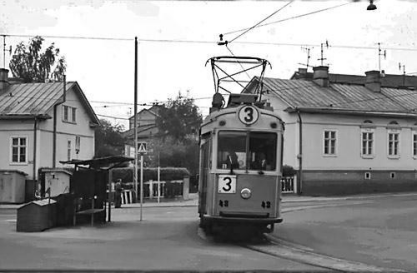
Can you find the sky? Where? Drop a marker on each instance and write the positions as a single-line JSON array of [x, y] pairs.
[[176, 38]]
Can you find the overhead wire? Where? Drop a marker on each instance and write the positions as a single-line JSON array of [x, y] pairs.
[[260, 22], [286, 19]]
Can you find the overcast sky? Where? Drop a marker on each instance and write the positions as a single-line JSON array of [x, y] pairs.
[[177, 37]]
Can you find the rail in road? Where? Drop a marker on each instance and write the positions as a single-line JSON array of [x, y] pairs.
[[280, 248]]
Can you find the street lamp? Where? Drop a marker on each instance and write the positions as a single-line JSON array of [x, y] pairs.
[[371, 5]]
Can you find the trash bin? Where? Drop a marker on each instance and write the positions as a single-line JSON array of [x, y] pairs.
[[36, 216], [12, 186]]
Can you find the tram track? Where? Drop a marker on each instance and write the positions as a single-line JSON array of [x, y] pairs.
[[277, 247]]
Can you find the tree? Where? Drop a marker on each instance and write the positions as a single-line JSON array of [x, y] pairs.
[[177, 145], [31, 65], [179, 119], [108, 139]]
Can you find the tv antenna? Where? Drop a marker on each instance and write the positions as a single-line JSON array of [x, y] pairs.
[[322, 51], [5, 50], [403, 69], [307, 49], [381, 53]]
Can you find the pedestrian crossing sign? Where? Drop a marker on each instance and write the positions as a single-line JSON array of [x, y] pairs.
[[142, 148]]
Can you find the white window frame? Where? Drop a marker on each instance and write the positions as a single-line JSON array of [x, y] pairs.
[[26, 151], [394, 132], [330, 139], [372, 147], [69, 114], [414, 144]]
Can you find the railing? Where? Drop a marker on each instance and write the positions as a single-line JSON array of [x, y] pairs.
[[289, 184]]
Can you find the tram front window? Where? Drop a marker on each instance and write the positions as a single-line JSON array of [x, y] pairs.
[[231, 150], [263, 151], [233, 154]]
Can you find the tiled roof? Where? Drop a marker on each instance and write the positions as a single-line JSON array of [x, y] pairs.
[[37, 99], [308, 94]]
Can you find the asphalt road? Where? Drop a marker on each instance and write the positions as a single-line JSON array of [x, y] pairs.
[[379, 231], [376, 231], [167, 239]]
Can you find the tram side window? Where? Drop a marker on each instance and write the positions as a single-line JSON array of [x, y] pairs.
[[231, 150], [263, 151]]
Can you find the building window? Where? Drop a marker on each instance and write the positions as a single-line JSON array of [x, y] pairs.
[[392, 175], [69, 114], [367, 142], [393, 143], [367, 175], [69, 150], [77, 144], [19, 150], [414, 144], [329, 142]]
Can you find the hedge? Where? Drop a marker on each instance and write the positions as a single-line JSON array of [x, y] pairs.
[[167, 174]]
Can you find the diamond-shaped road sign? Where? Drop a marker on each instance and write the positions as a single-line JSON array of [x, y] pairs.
[[142, 148]]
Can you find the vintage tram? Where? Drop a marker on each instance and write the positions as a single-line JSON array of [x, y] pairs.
[[241, 145]]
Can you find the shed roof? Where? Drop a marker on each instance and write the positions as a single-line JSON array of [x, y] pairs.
[[99, 162]]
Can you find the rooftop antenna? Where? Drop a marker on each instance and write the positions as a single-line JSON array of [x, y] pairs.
[[403, 68], [5, 50], [307, 49], [322, 51], [381, 53]]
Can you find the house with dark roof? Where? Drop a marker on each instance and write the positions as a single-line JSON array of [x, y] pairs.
[[345, 138], [42, 124], [146, 125]]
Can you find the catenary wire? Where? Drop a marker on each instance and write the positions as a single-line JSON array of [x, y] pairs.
[[260, 22]]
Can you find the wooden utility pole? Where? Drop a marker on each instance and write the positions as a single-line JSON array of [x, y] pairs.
[[135, 126]]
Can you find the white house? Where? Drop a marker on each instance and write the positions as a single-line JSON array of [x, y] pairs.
[[347, 138], [42, 124]]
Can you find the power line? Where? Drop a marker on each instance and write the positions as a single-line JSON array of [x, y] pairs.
[[207, 42]]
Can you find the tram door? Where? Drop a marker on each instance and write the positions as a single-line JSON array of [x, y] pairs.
[[204, 172]]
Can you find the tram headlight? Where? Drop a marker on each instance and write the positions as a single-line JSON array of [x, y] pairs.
[[246, 193]]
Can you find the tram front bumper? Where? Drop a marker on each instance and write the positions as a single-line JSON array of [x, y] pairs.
[[242, 219]]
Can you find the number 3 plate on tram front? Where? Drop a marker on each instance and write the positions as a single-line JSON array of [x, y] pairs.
[[227, 184]]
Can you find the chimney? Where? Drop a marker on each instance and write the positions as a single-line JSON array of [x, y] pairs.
[[373, 80], [3, 78], [321, 75], [302, 71]]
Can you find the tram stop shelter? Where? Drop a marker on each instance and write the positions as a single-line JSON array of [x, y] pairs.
[[89, 184]]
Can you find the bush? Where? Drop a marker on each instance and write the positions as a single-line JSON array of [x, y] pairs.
[[167, 174], [288, 171]]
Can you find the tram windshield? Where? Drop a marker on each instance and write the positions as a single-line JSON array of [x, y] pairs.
[[247, 150]]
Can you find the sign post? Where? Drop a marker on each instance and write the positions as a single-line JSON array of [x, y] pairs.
[[141, 150]]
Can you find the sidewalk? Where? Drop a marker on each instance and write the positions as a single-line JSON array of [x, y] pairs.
[[192, 201]]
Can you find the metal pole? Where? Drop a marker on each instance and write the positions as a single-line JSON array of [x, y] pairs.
[[141, 185], [159, 183], [135, 127], [110, 177]]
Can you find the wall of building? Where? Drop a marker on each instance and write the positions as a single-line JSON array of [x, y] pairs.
[[334, 182], [67, 131], [348, 148], [13, 128]]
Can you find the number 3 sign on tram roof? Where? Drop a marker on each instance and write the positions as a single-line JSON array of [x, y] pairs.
[[248, 115]]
